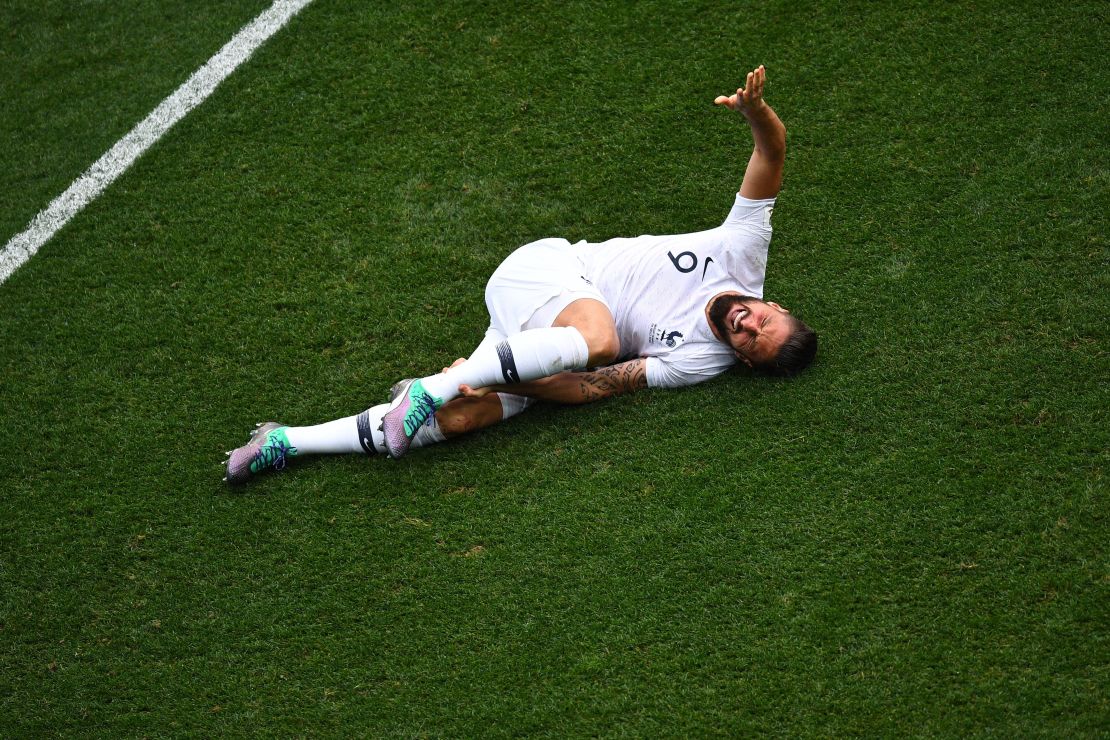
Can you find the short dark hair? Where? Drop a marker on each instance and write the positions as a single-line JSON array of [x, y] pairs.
[[795, 354]]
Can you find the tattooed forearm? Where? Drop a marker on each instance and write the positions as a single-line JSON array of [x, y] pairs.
[[583, 387], [594, 386], [612, 380]]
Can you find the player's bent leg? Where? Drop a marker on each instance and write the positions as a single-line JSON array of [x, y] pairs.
[[582, 334], [529, 355], [595, 323]]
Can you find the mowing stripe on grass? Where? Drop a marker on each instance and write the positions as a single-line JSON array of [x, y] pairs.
[[116, 160]]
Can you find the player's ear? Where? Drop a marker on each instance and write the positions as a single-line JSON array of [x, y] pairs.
[[772, 303], [742, 359]]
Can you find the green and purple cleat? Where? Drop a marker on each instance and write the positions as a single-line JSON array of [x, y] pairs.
[[268, 448], [412, 406]]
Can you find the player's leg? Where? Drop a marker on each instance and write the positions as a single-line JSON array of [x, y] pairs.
[[526, 356], [361, 433], [583, 334], [593, 320], [272, 444], [524, 296]]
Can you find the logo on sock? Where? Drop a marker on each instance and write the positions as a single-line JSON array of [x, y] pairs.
[[364, 434], [508, 364]]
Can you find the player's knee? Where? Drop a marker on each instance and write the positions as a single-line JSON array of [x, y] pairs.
[[604, 347]]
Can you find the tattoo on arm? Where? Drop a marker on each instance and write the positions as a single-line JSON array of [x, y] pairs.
[[612, 380]]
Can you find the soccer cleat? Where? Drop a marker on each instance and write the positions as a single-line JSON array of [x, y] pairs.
[[268, 448], [412, 406], [398, 388]]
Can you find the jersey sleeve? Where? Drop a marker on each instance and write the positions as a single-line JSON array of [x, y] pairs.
[[751, 215], [746, 238], [678, 368]]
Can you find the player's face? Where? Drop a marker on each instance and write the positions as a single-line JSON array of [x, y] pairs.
[[754, 329]]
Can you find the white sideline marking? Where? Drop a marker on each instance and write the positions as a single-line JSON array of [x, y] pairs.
[[116, 160]]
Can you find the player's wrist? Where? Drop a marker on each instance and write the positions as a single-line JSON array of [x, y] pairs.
[[756, 112]]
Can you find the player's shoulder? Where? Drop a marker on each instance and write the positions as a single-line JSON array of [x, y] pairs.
[[750, 214]]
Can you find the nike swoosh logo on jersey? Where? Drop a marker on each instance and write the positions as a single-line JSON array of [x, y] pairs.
[[707, 261]]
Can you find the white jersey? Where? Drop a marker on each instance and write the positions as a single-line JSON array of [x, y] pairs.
[[658, 286]]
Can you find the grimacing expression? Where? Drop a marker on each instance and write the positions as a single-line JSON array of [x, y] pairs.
[[755, 329]]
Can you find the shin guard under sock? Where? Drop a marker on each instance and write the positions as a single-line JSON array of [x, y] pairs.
[[529, 355]]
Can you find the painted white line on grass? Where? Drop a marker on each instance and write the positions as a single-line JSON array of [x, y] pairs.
[[116, 160]]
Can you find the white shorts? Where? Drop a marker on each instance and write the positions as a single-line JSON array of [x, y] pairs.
[[535, 283]]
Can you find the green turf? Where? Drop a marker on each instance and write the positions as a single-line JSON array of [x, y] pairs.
[[910, 539]]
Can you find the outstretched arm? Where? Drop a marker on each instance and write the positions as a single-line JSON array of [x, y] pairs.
[[579, 387], [763, 178]]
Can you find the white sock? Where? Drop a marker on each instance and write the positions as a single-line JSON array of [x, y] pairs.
[[332, 437], [529, 355], [428, 434], [511, 405], [342, 435], [347, 435]]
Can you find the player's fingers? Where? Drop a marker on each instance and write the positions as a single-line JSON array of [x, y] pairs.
[[729, 101]]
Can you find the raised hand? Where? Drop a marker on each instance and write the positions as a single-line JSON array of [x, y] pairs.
[[763, 176], [748, 98]]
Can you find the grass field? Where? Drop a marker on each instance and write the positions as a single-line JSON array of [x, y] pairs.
[[910, 539]]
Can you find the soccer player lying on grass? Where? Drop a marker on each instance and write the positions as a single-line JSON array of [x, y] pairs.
[[659, 311]]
